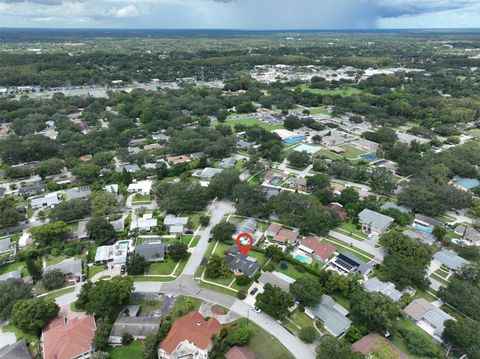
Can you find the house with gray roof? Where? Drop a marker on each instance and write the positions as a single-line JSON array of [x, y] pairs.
[[428, 221], [151, 251], [76, 193], [228, 162], [242, 265], [49, 200], [18, 350], [170, 221], [16, 274], [207, 173], [386, 288], [450, 259], [248, 225], [373, 222], [472, 236], [130, 168], [32, 188], [348, 263], [118, 225], [5, 245], [69, 266], [130, 321], [332, 315], [2, 191], [420, 235], [244, 145], [428, 317], [276, 279]]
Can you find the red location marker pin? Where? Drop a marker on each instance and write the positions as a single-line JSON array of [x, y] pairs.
[[244, 248]]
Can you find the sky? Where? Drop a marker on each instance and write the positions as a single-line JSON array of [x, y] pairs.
[[241, 14]]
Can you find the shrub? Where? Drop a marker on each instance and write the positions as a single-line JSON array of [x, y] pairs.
[[127, 338], [242, 280], [53, 279], [241, 295], [308, 334]]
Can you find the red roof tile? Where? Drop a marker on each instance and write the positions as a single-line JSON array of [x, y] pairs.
[[243, 352], [285, 235], [66, 340], [323, 250], [192, 327]]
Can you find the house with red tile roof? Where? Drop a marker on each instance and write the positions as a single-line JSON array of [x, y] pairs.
[[190, 336], [285, 235], [273, 230], [321, 250], [373, 341], [242, 352], [69, 338]]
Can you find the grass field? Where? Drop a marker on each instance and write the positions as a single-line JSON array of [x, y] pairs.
[[346, 247], [165, 267], [344, 91], [184, 305], [350, 228], [141, 278], [250, 121], [134, 350], [59, 293], [94, 270], [352, 152], [400, 342], [323, 153], [141, 198], [21, 266], [292, 272], [318, 110]]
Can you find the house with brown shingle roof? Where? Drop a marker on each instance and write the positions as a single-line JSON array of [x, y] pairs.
[[178, 159], [69, 338], [373, 341], [242, 352], [190, 336], [285, 235], [321, 251]]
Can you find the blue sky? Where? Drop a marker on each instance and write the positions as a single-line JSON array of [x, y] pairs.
[[241, 14]]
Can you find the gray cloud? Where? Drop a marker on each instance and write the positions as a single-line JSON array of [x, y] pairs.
[[40, 2], [396, 8]]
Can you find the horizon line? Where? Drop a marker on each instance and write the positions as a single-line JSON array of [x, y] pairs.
[[240, 29]]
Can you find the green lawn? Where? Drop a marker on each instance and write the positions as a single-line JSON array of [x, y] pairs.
[[142, 198], [401, 343], [318, 110], [365, 256], [250, 121], [21, 266], [439, 279], [323, 153], [255, 181], [441, 273], [292, 272], [183, 262], [352, 152], [195, 241], [59, 293], [425, 295], [72, 227], [184, 305], [340, 299], [264, 344], [54, 260], [19, 334], [344, 91], [165, 267], [218, 288], [300, 319], [141, 278], [94, 270], [133, 351], [475, 133], [350, 228]]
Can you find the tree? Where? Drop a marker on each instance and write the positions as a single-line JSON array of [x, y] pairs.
[[30, 315], [349, 196], [100, 230], [463, 335], [242, 280], [150, 346], [306, 291], [11, 291], [74, 209], [318, 181], [249, 200], [239, 336], [100, 339], [182, 197], [375, 310], [463, 296], [103, 203], [308, 334], [86, 172], [204, 220], [274, 301], [53, 279], [274, 252], [331, 347], [318, 221], [439, 233], [223, 231], [49, 233], [292, 122], [33, 269], [216, 267], [9, 216], [136, 264], [222, 183], [177, 251], [298, 159], [382, 181]]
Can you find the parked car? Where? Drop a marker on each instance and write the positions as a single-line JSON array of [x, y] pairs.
[[189, 231], [257, 310], [253, 291], [77, 278], [122, 269]]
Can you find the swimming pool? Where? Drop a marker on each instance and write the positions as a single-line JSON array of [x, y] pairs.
[[468, 183], [276, 181], [423, 228], [303, 259], [124, 242], [307, 148], [369, 157], [293, 139]]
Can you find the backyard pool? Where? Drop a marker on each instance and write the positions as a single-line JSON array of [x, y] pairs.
[[276, 181], [468, 183], [307, 148], [123, 242], [303, 259], [369, 157], [293, 139], [423, 228]]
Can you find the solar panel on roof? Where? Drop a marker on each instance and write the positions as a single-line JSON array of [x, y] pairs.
[[348, 260], [344, 264]]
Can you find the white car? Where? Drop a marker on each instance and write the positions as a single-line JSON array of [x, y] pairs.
[[257, 310]]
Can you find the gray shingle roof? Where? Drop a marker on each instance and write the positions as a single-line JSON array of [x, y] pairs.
[[389, 205], [5, 244], [375, 219], [450, 259], [17, 350], [240, 263], [138, 327], [228, 162], [387, 288], [8, 275], [436, 317], [275, 280], [67, 266], [74, 193], [248, 225], [335, 322], [151, 251]]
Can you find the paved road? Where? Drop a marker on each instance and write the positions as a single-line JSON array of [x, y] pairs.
[[363, 245]]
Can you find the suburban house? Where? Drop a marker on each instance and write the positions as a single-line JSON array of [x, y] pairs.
[[69, 338], [134, 150], [5, 245], [129, 167], [332, 314], [337, 208], [145, 223], [299, 183], [81, 232], [428, 317], [18, 350], [151, 251], [240, 264], [244, 145], [389, 205], [2, 192], [276, 279], [76, 193], [152, 146], [420, 235], [373, 341], [274, 178], [207, 173], [248, 225], [174, 224], [112, 188], [69, 267], [426, 221], [140, 187], [373, 222], [174, 160], [49, 200], [242, 352], [190, 337], [472, 236], [286, 236], [321, 251], [387, 288], [450, 260], [228, 162], [273, 230], [129, 321], [32, 188], [13, 274], [348, 262], [116, 253]]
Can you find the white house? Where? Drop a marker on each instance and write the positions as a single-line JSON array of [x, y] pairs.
[[146, 223], [141, 187], [49, 200]]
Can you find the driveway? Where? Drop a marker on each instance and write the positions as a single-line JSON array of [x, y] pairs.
[[363, 245]]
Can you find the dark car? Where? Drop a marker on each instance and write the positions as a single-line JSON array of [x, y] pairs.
[[77, 278], [253, 291], [189, 231], [210, 239], [122, 269]]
